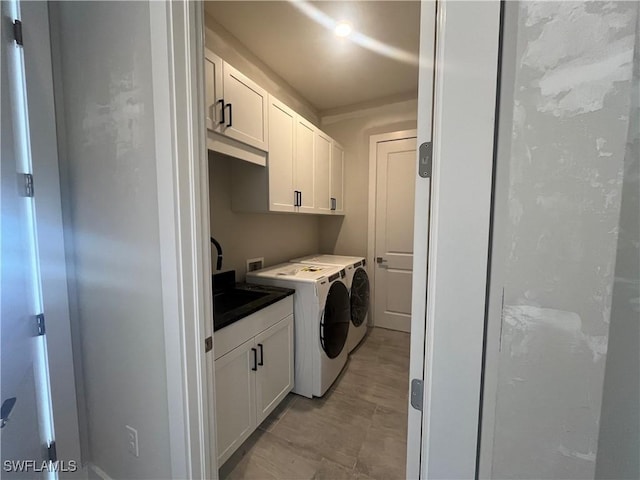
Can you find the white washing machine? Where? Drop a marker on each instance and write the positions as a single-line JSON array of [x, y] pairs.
[[357, 282], [321, 312]]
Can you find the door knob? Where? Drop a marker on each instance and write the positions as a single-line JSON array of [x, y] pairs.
[[380, 260]]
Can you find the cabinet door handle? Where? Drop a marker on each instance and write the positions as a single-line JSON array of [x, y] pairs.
[[296, 198], [255, 359], [261, 362], [333, 203], [221, 102], [230, 115], [300, 201]]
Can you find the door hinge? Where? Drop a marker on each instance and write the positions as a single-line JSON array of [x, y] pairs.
[[208, 344], [17, 32], [52, 455], [425, 160], [26, 184], [416, 394], [40, 324]]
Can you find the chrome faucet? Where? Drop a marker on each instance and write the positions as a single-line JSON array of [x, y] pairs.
[[219, 250]]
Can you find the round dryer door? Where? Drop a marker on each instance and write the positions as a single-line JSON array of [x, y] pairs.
[[359, 297], [334, 325]]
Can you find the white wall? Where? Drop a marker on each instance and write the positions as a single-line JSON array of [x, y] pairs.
[[565, 103], [105, 107], [619, 440], [348, 235], [278, 237], [221, 42]]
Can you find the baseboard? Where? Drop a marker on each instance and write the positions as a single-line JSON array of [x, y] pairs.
[[96, 473]]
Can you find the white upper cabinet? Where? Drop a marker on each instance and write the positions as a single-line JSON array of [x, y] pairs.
[[323, 172], [281, 162], [236, 112], [245, 113], [337, 178], [304, 167]]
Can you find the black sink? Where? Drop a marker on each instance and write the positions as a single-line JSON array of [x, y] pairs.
[[233, 301], [224, 302]]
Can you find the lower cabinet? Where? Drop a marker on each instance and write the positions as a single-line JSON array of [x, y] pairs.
[[250, 381], [274, 377]]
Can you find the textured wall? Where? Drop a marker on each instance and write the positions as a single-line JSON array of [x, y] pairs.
[[619, 441], [562, 180], [109, 181]]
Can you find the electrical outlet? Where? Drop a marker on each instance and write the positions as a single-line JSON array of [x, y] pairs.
[[255, 264], [132, 441]]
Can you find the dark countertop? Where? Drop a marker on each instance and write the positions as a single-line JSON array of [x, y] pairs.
[[226, 317]]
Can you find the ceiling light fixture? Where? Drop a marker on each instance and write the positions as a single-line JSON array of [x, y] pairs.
[[356, 37], [343, 29]]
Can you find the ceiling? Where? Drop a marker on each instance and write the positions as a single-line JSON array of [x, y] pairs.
[[328, 71]]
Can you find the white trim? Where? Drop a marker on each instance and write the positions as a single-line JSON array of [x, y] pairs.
[[97, 471], [499, 240], [49, 228], [428, 31], [371, 230], [464, 117], [177, 63]]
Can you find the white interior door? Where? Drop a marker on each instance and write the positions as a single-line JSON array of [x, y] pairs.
[[27, 423], [395, 196]]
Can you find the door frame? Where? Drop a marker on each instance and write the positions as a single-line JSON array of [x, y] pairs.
[[450, 345], [458, 236], [50, 240], [177, 58], [374, 140]]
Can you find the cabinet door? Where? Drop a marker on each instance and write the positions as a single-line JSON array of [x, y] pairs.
[[275, 376], [304, 165], [245, 113], [337, 178], [281, 157], [235, 399], [213, 89], [323, 172]]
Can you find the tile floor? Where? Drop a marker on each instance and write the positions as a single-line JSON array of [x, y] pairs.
[[356, 431]]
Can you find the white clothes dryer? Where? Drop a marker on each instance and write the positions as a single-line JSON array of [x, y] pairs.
[[321, 312], [357, 282]]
